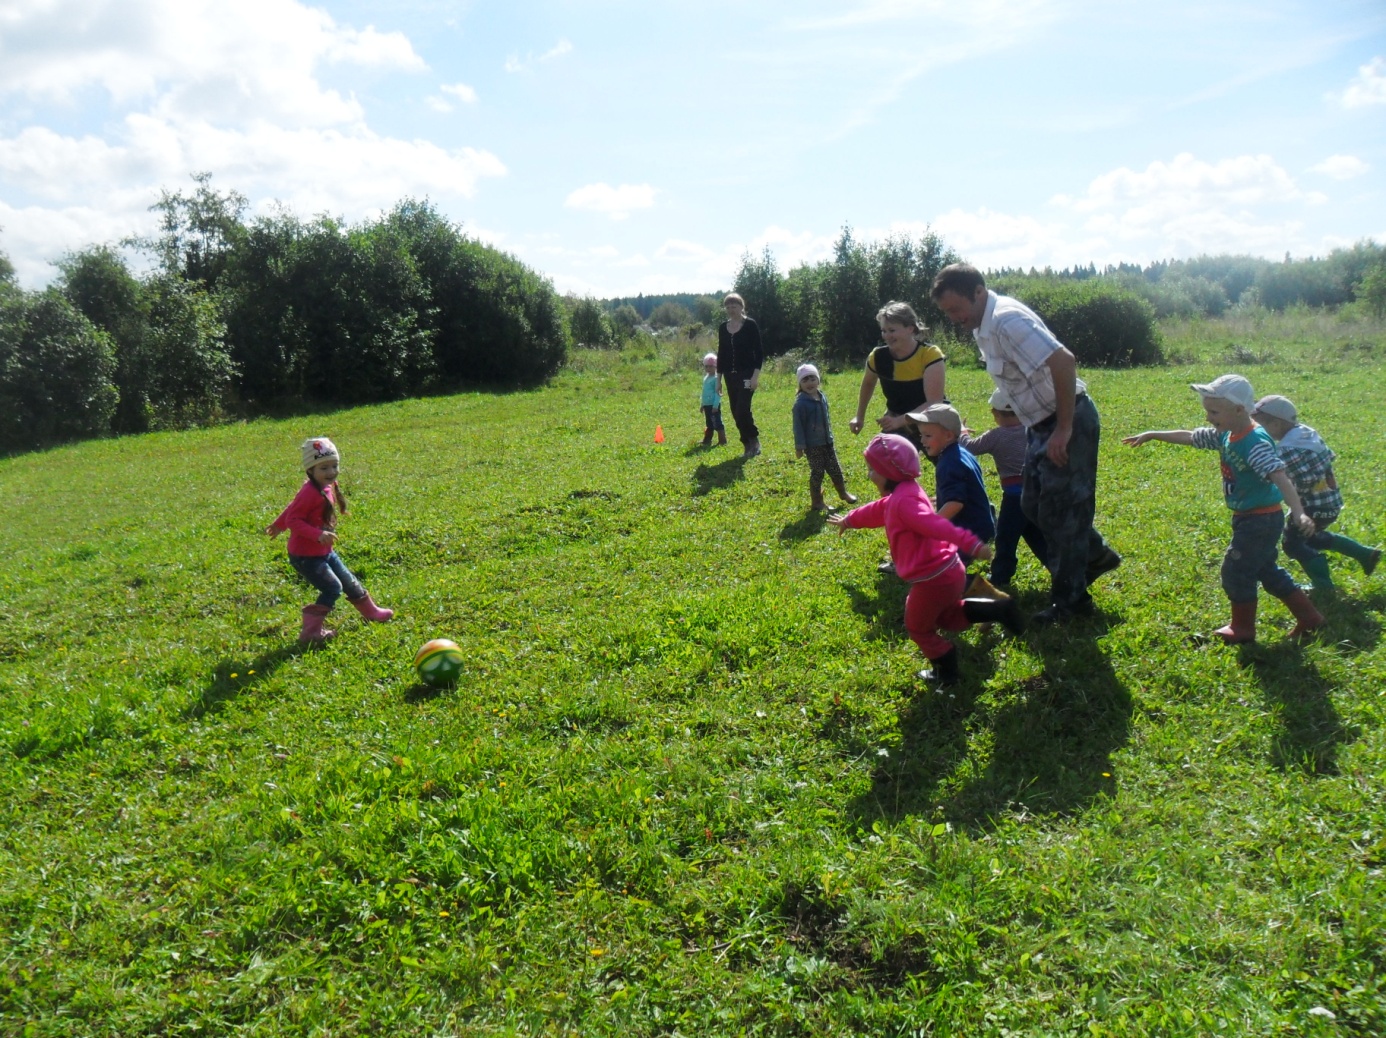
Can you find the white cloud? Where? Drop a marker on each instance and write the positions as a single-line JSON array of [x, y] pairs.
[[514, 63], [616, 202], [1341, 167], [1369, 88], [253, 59], [461, 91], [438, 104], [1183, 207], [199, 85]]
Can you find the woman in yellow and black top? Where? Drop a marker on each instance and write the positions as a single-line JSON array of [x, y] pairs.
[[910, 372]]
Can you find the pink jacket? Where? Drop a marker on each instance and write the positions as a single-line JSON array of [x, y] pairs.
[[305, 519], [921, 541]]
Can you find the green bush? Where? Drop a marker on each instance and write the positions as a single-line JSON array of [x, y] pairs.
[[55, 372], [1104, 324], [172, 365], [590, 325]]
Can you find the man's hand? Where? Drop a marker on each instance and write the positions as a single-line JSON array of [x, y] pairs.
[[1057, 448]]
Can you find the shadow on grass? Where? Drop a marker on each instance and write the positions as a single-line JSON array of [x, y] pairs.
[[231, 677], [802, 529], [1051, 737], [707, 478], [1352, 628], [1310, 729], [883, 608]]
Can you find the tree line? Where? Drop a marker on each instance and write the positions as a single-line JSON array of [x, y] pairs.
[[234, 316], [240, 316]]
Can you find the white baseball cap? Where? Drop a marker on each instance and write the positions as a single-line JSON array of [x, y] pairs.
[[1232, 388]]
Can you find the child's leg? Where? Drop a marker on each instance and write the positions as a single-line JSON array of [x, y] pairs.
[[349, 583], [935, 605], [319, 572], [1324, 540], [1303, 550], [817, 467], [717, 425], [1010, 522]]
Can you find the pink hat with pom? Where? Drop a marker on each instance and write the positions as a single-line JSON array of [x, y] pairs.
[[892, 456]]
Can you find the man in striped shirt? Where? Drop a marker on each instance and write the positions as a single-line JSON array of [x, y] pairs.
[[1039, 376]]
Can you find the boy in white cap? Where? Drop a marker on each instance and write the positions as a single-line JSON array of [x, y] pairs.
[[1309, 463], [960, 495], [1005, 442], [813, 435], [1255, 484]]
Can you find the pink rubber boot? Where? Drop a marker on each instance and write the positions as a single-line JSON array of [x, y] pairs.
[[370, 610], [313, 630]]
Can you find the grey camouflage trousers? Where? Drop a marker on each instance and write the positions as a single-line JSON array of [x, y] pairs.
[[1062, 502]]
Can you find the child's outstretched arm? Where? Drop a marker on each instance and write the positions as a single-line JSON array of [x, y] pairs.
[[1183, 437], [1281, 478]]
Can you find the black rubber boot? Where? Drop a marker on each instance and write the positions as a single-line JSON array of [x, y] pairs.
[[944, 670], [1001, 611]]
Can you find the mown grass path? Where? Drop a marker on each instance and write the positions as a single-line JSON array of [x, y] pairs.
[[689, 784]]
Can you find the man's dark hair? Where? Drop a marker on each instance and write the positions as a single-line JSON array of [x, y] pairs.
[[962, 278]]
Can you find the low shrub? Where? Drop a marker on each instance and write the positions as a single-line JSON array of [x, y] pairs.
[[1104, 324]]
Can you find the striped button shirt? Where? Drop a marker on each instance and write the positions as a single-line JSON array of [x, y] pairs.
[[1015, 344]]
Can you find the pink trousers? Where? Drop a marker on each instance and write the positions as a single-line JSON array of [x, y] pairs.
[[936, 605]]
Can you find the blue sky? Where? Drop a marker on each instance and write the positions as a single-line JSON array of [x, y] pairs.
[[622, 147]]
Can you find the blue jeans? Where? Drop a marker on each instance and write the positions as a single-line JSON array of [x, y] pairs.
[[1062, 502], [1252, 556], [329, 575], [1011, 525], [712, 418]]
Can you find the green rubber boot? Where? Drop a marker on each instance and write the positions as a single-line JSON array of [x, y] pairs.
[[1319, 575]]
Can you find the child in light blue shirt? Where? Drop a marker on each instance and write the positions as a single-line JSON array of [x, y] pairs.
[[712, 404]]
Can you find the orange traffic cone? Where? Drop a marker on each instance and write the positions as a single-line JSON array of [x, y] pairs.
[[659, 434]]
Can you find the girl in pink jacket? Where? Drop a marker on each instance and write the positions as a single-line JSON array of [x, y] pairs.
[[924, 547], [311, 520]]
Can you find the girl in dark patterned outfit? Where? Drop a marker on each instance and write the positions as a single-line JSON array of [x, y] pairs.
[[813, 435]]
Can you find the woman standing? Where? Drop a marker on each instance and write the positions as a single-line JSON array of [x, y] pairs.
[[910, 372], [739, 358]]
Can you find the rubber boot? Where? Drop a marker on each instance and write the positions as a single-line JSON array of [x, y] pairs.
[[816, 502], [981, 587], [752, 449], [313, 630], [1363, 553], [1319, 575], [707, 437], [1242, 629], [842, 492], [1307, 618], [721, 437], [943, 671], [1003, 611], [370, 610]]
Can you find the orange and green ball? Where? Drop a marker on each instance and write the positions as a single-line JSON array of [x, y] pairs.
[[439, 662]]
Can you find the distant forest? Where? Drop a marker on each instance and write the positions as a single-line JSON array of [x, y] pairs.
[[827, 309], [239, 316]]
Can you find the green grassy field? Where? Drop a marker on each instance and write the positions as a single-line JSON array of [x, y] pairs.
[[689, 784]]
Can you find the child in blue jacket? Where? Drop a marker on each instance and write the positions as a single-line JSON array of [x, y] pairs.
[[813, 435]]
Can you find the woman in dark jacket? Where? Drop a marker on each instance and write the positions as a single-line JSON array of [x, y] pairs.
[[739, 359]]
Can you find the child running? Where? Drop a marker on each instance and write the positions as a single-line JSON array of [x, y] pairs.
[[712, 404], [1309, 463], [924, 547], [1005, 442], [311, 520], [1254, 484], [813, 435]]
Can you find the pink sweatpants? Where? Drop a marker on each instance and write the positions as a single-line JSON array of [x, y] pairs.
[[936, 605]]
